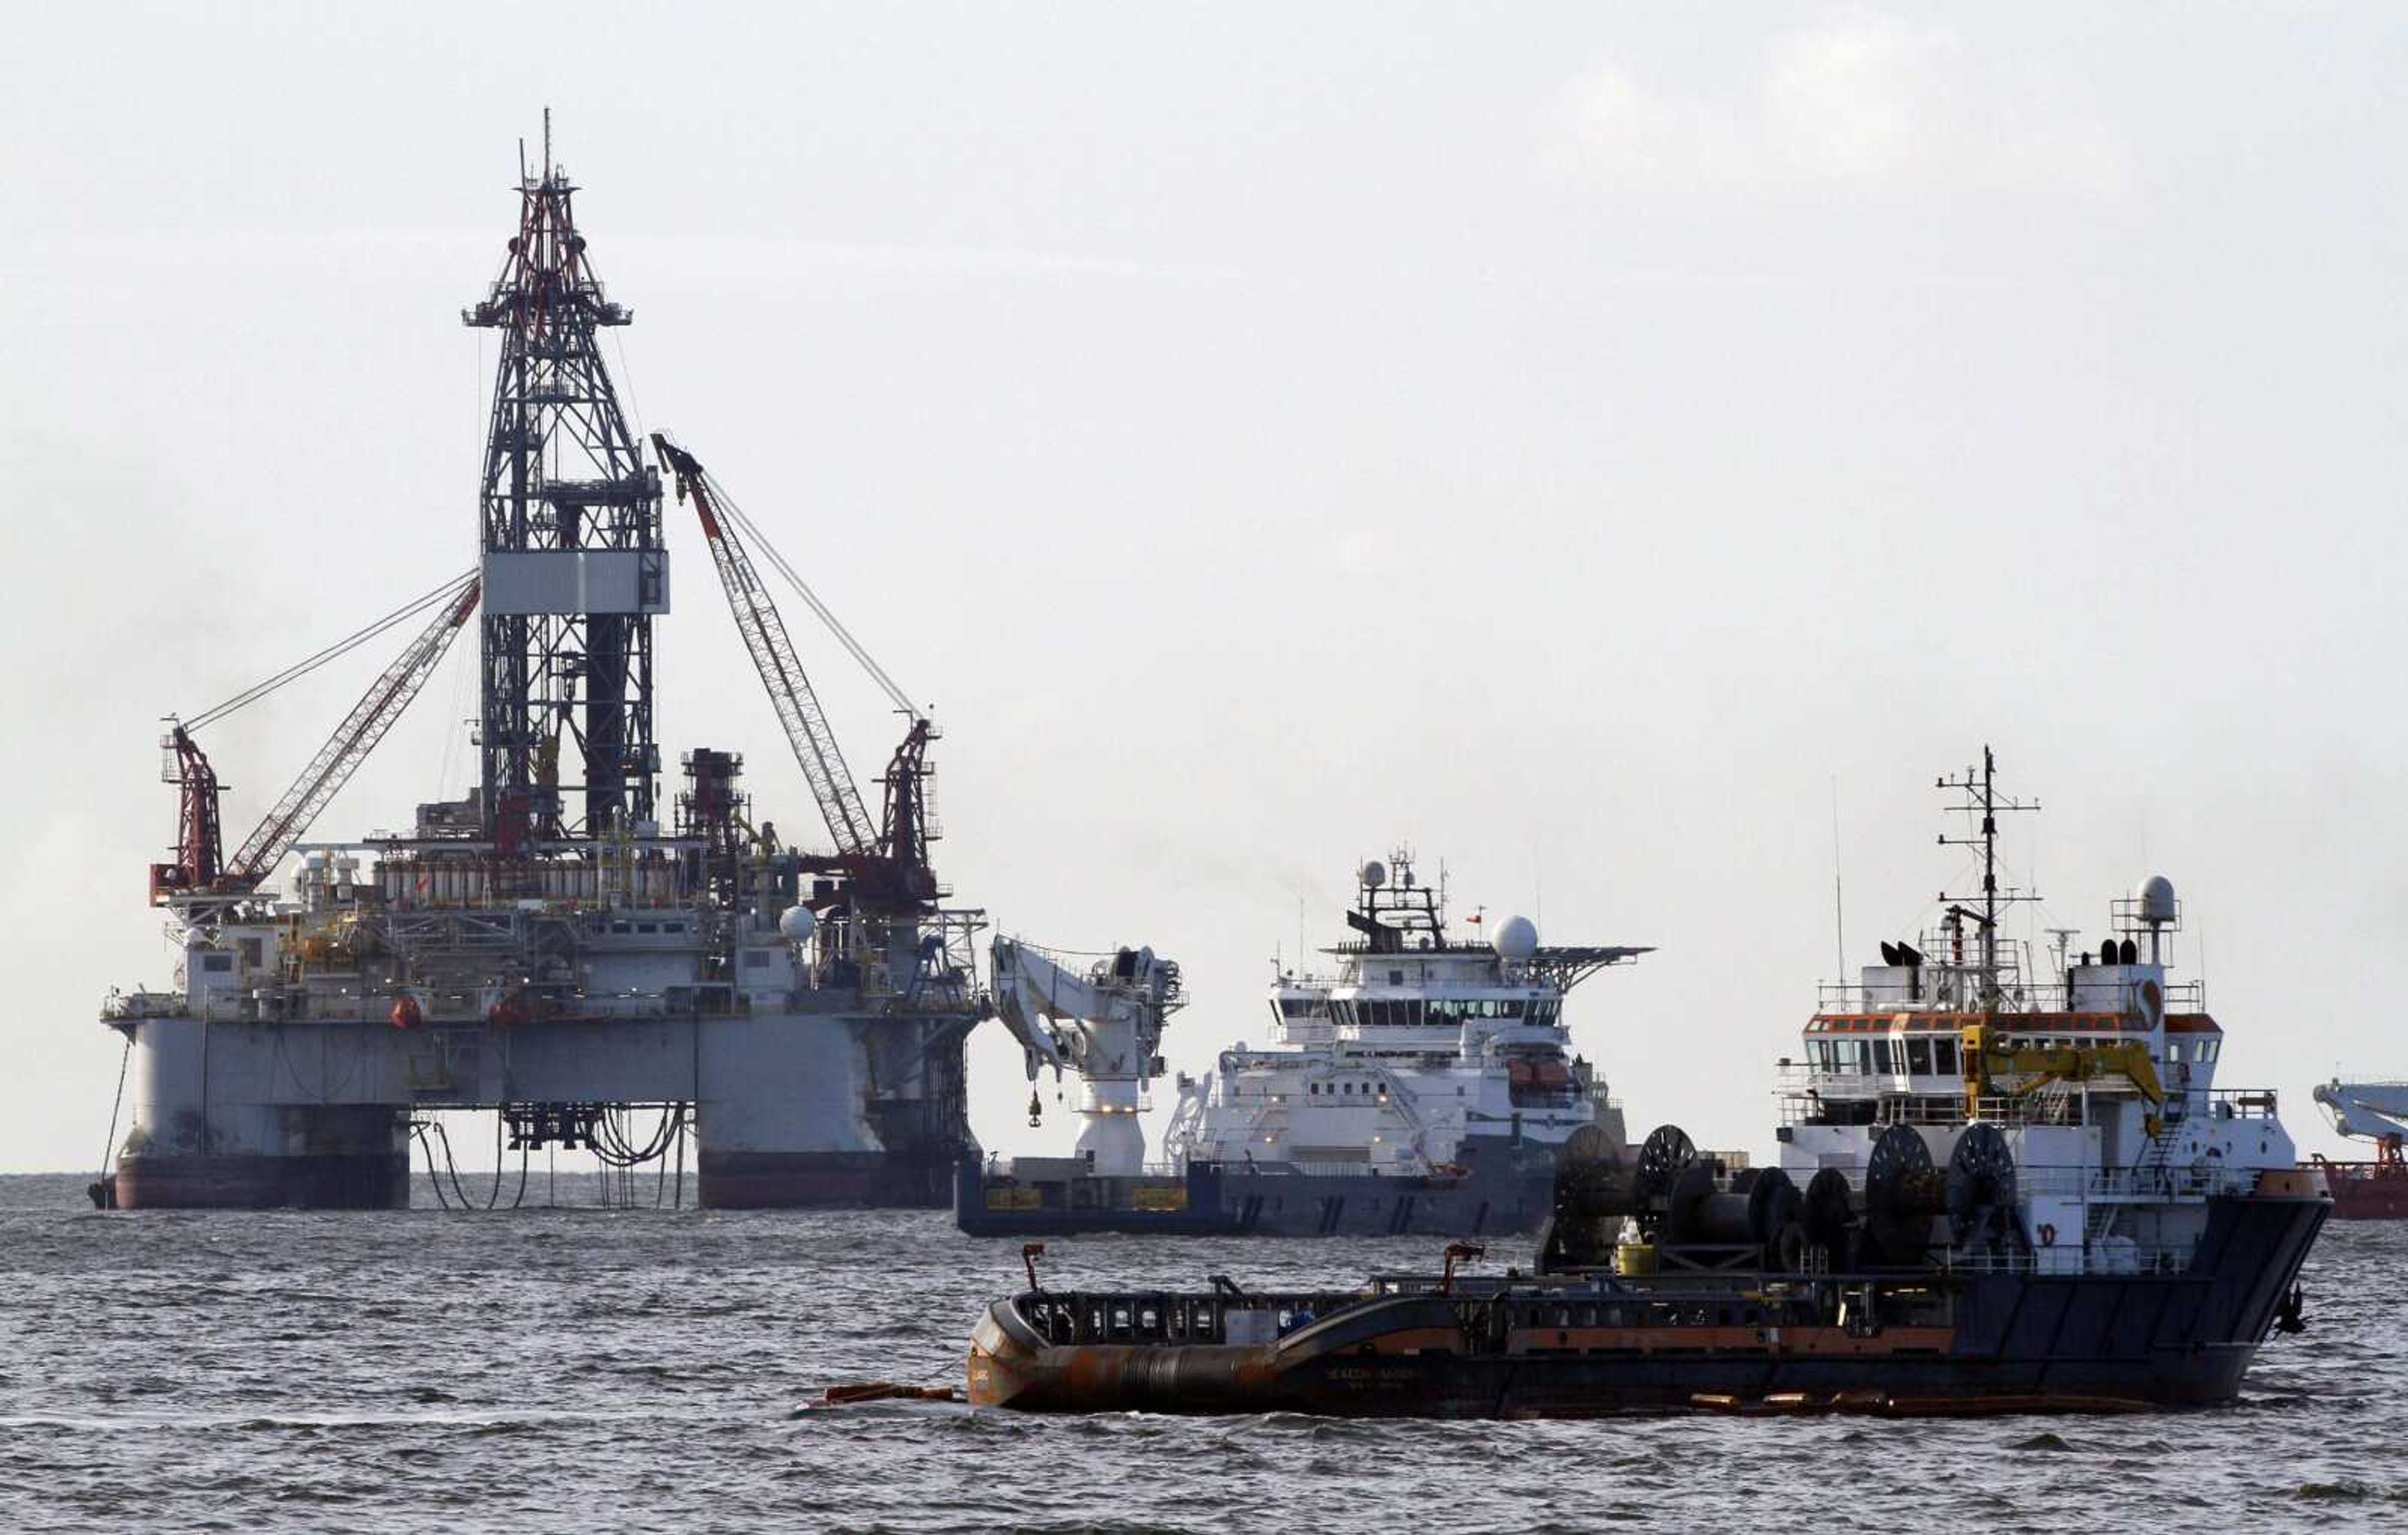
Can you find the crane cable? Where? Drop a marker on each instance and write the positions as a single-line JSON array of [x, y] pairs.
[[108, 1158], [448, 590], [720, 501]]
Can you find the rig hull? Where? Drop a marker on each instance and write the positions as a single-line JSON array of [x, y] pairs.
[[311, 1180], [2017, 1342], [909, 1179], [316, 1114]]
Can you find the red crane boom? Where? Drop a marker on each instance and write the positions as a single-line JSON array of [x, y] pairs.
[[347, 748], [773, 656], [198, 867], [889, 861]]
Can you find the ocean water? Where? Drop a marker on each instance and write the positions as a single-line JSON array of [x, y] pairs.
[[582, 1368]]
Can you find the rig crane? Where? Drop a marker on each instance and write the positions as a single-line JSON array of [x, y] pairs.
[[887, 864], [199, 868]]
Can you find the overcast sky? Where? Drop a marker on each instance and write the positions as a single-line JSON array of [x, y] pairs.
[[1570, 441]]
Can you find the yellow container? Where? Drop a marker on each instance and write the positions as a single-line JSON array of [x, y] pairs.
[[1634, 1258]]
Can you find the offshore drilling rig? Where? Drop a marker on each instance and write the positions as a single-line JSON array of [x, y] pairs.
[[544, 948]]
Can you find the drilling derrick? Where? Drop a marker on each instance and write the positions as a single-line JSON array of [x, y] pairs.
[[574, 567]]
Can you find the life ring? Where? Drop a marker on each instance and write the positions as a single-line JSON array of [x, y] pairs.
[[407, 1013], [2047, 1235]]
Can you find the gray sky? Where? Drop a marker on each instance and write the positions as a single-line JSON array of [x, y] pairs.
[[1566, 440]]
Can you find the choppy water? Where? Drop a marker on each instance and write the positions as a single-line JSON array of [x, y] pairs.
[[578, 1368]]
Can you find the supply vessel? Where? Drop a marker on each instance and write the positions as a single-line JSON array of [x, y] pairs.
[[604, 970], [1427, 1085], [2375, 1190], [1998, 1190]]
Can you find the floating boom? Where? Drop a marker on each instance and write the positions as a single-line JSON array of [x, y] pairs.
[[1104, 1026]]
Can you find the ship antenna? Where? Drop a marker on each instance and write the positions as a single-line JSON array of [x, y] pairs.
[[2065, 936], [1839, 906], [547, 143]]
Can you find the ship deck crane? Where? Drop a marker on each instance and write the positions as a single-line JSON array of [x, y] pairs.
[[199, 868], [2369, 1111], [888, 863], [1105, 1024]]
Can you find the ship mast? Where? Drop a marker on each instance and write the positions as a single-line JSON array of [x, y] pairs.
[[1982, 799]]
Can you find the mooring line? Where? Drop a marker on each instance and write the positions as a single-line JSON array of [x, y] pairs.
[[117, 1105]]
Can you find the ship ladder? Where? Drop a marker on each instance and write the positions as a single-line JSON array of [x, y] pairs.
[[1402, 1102]]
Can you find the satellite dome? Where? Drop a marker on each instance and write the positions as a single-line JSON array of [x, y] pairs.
[[796, 923], [1516, 939], [2156, 899], [1375, 874]]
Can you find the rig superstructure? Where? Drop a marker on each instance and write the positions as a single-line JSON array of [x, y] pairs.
[[545, 947]]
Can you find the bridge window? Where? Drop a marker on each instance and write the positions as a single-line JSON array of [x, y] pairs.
[[1918, 1058], [1943, 1056], [1880, 1057]]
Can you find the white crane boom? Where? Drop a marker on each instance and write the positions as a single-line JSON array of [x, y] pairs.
[[1105, 1026], [2377, 1111]]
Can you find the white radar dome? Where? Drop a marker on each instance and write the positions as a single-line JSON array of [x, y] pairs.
[[1516, 939], [2156, 899], [1375, 874], [795, 924]]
